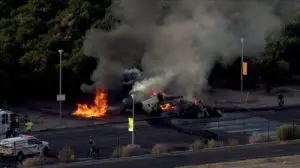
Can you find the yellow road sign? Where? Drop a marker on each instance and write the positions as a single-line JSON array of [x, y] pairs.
[[245, 68], [130, 124]]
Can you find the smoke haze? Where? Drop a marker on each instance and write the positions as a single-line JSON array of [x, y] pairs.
[[178, 46]]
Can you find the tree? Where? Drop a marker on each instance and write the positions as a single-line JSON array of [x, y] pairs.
[[31, 33]]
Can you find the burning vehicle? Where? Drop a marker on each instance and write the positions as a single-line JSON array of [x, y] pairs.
[[161, 104]]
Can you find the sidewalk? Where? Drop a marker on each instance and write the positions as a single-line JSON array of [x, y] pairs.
[[230, 101]]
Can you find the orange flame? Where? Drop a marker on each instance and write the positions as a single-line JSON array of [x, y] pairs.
[[98, 109], [167, 106]]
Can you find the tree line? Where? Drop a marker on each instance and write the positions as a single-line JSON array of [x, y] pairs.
[[32, 31]]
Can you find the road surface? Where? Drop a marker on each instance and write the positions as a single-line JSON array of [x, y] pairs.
[[237, 126], [189, 159], [108, 137]]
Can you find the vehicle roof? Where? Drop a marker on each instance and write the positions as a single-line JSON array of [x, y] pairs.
[[15, 139], [5, 112]]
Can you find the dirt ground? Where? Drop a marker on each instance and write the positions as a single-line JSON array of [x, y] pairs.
[[276, 162]]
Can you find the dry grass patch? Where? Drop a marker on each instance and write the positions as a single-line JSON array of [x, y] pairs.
[[131, 150], [214, 144], [197, 145], [233, 142], [128, 150], [161, 148], [32, 162], [258, 138], [117, 152], [66, 155], [36, 161]]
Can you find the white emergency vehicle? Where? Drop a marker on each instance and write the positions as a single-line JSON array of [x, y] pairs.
[[21, 146], [6, 117]]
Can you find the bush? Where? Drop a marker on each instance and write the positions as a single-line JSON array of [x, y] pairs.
[[32, 162], [128, 150], [66, 155], [196, 146], [287, 132], [258, 138], [131, 150], [214, 144], [117, 152], [161, 148], [233, 142]]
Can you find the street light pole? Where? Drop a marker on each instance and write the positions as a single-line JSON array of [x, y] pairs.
[[242, 61], [132, 133], [60, 51]]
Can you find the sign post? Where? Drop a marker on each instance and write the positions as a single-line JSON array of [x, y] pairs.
[[60, 98], [242, 69], [245, 68], [131, 128]]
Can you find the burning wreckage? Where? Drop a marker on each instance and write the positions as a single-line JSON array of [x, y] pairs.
[[159, 104]]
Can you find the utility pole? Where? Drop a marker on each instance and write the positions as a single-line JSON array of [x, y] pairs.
[[132, 133], [242, 61], [60, 97]]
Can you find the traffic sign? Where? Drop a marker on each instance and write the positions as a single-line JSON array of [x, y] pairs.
[[130, 124], [245, 68], [61, 97]]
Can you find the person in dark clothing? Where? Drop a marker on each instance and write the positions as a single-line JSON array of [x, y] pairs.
[[93, 150], [280, 100], [92, 141], [14, 126], [8, 133]]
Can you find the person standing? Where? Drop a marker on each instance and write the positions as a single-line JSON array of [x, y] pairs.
[[28, 126], [280, 100]]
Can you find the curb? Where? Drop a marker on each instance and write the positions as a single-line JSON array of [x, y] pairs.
[[241, 109]]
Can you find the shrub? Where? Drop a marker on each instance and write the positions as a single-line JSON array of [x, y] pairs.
[[258, 138], [66, 155], [214, 144], [233, 142], [117, 152], [128, 150], [287, 132], [32, 162], [131, 150], [196, 146], [161, 148]]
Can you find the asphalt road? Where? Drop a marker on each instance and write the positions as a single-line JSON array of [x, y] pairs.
[[189, 159], [108, 137]]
